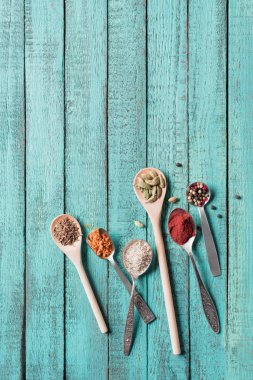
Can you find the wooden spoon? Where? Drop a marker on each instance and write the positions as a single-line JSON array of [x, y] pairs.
[[154, 211], [73, 252]]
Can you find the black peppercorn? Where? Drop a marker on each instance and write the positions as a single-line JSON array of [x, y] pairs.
[[219, 216], [178, 164], [237, 196], [213, 207]]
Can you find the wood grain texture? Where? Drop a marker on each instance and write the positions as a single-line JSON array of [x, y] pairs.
[[127, 154], [45, 164], [240, 290], [12, 200], [86, 175], [207, 162], [167, 145]]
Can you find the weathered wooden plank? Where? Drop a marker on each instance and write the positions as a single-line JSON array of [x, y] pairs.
[[45, 159], [127, 154], [86, 176], [12, 201], [207, 162], [167, 145], [240, 289]]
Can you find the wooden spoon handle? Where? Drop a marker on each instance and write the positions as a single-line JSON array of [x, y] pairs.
[[167, 289], [92, 299]]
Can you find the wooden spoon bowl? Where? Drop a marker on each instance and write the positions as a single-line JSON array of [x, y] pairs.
[[154, 209]]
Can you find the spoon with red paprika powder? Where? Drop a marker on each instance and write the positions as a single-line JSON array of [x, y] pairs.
[[182, 230]]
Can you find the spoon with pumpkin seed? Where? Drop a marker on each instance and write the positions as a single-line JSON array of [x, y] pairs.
[[150, 189], [150, 184]]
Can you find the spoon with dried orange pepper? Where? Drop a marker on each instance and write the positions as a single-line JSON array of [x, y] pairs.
[[101, 244]]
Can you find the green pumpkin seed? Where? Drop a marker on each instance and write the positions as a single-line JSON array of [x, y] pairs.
[[154, 190], [143, 185], [162, 181], [138, 224], [145, 176], [152, 199], [153, 173], [158, 191], [153, 182], [146, 193]]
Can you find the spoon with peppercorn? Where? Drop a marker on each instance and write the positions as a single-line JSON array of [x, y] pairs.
[[198, 194], [102, 245], [182, 230], [67, 235]]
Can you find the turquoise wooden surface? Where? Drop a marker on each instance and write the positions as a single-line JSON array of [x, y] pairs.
[[44, 95], [90, 93], [207, 160], [126, 154], [12, 200], [240, 140], [86, 188]]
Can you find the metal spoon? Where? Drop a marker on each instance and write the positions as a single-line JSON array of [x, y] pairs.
[[207, 302], [145, 312], [73, 252], [135, 273], [208, 238]]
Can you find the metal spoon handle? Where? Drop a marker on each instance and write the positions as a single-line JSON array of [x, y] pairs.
[[209, 243], [143, 309], [129, 327], [207, 302]]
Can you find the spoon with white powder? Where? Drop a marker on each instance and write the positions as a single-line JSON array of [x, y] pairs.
[[137, 257]]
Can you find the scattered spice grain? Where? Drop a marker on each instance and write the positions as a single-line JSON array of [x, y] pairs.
[[237, 196], [138, 224], [219, 216], [173, 199], [178, 164], [213, 207]]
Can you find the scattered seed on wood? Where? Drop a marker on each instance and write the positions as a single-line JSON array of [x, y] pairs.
[[88, 226], [213, 207], [173, 199], [138, 224], [237, 196], [178, 164], [219, 216]]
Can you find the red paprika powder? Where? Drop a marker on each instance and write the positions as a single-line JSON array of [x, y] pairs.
[[181, 226]]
